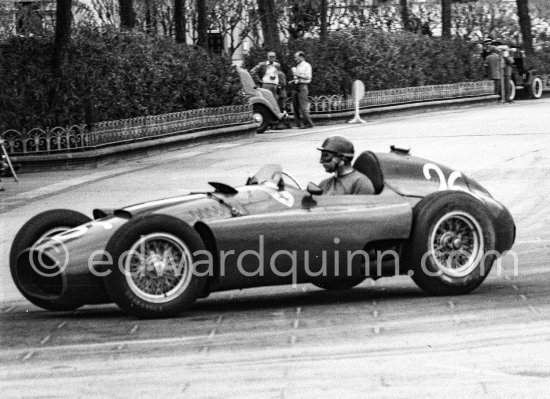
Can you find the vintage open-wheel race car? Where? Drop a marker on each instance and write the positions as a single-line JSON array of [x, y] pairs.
[[155, 259]]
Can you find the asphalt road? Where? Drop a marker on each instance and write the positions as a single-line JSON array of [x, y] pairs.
[[381, 339]]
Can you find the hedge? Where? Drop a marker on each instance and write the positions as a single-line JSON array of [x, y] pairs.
[[380, 59], [110, 75]]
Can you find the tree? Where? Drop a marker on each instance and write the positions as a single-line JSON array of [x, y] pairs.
[[151, 20], [404, 14], [525, 25], [62, 34], [127, 14], [324, 23], [202, 24], [446, 18], [179, 20], [268, 18]]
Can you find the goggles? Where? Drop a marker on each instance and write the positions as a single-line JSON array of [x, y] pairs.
[[327, 156]]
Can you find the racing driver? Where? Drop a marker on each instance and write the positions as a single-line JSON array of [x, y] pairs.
[[336, 155]]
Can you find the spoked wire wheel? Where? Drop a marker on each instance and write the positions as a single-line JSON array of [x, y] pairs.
[[456, 244], [158, 267], [452, 243]]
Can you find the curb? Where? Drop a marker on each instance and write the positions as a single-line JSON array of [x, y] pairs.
[[139, 149], [389, 110]]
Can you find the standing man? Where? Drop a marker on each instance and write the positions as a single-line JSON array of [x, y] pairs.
[[302, 78], [282, 98], [508, 71], [266, 73], [493, 68], [487, 43]]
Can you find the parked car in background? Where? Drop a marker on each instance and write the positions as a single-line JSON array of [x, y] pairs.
[[525, 80], [264, 104]]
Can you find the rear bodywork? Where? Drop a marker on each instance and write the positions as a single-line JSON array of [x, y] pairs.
[[258, 233]]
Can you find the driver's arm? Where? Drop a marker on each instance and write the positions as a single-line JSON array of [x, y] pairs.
[[363, 186]]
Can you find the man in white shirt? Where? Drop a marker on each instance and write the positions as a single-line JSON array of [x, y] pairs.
[[266, 73], [302, 78]]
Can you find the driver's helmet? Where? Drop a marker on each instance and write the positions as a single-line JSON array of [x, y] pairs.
[[338, 145]]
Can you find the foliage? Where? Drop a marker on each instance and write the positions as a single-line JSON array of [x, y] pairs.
[[110, 75], [381, 60], [539, 61]]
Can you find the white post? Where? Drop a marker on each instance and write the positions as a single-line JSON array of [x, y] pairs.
[[357, 92]]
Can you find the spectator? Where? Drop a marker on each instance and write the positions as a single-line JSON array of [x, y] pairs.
[[302, 75], [487, 43], [294, 98], [282, 97], [493, 68], [508, 69], [266, 73]]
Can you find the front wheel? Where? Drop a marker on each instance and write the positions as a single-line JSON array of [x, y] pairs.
[[262, 117], [34, 232], [154, 267], [452, 247], [535, 88]]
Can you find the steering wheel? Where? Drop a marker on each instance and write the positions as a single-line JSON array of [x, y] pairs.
[[293, 180]]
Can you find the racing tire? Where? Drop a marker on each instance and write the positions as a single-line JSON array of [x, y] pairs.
[[41, 226], [154, 267], [535, 88], [261, 116], [340, 285], [451, 250]]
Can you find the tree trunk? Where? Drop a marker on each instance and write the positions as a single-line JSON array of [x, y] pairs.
[[446, 18], [404, 14], [268, 18], [525, 25], [151, 20], [324, 22], [62, 34], [202, 24], [179, 20], [127, 14]]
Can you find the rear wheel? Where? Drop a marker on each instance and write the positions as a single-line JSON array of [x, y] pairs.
[[535, 88], [452, 243], [154, 273], [262, 117], [35, 231]]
